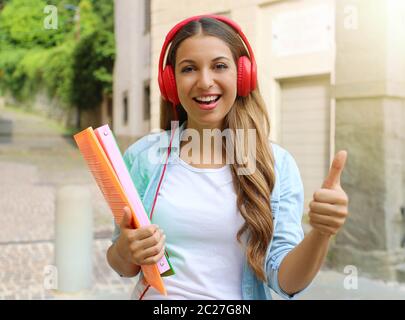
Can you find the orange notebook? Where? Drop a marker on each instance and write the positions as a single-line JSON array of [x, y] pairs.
[[113, 191]]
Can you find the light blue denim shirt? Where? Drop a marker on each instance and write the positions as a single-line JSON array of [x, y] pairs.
[[145, 159]]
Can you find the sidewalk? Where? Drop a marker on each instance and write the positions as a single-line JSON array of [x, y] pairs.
[[329, 285], [35, 159]]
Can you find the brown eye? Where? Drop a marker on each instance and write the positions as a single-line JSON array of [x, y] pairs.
[[187, 69], [221, 66]]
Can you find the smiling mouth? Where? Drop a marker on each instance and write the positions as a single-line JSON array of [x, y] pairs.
[[207, 102]]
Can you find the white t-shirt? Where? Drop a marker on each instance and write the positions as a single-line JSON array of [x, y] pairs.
[[197, 210]]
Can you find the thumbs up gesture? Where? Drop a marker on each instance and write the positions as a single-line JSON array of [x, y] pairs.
[[329, 207]]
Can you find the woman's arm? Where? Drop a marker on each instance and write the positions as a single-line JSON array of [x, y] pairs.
[[121, 266], [328, 212], [300, 266]]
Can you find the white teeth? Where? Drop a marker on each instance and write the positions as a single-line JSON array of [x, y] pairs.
[[206, 99]]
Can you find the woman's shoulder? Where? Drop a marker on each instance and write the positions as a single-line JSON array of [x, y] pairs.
[[153, 145], [143, 157], [147, 143], [278, 151], [286, 167], [288, 181], [282, 157]]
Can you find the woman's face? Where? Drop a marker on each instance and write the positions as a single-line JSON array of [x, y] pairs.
[[205, 70]]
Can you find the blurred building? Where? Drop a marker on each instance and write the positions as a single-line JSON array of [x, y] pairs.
[[132, 69], [332, 73]]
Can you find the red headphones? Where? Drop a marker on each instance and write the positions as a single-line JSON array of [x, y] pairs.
[[247, 70]]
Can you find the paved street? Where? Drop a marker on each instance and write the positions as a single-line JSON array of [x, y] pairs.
[[35, 160]]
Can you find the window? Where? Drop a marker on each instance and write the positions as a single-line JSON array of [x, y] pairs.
[[147, 14], [125, 108], [110, 112], [146, 100]]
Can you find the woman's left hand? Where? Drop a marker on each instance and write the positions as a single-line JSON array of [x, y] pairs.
[[329, 207]]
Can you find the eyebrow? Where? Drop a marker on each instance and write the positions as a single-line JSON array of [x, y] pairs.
[[192, 61]]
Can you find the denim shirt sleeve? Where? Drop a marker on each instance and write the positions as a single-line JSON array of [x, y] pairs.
[[288, 232]]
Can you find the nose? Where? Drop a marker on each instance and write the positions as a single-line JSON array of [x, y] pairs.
[[205, 80]]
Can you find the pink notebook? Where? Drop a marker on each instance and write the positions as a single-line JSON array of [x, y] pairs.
[[108, 143]]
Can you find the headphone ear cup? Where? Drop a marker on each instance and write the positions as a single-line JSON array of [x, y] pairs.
[[169, 83], [244, 76], [162, 86], [253, 83]]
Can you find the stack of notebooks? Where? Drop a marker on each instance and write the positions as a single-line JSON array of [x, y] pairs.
[[101, 152]]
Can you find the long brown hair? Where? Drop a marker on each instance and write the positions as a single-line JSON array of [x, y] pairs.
[[253, 190]]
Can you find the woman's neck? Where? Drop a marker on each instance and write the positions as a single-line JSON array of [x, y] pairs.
[[203, 147]]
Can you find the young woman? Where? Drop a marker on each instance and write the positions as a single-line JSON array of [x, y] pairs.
[[231, 233]]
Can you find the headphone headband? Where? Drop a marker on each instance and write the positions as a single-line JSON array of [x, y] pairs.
[[181, 24]]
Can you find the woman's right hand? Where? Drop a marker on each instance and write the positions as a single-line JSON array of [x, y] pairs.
[[142, 246]]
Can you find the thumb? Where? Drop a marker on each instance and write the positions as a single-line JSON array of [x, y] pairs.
[[126, 222], [336, 169]]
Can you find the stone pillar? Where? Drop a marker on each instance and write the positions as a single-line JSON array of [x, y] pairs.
[[370, 112], [74, 239]]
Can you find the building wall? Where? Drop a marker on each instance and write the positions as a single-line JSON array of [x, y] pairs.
[[296, 55], [370, 94], [131, 70]]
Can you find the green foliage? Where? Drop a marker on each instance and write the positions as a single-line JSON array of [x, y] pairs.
[[22, 25], [73, 63], [9, 60], [58, 72], [93, 61], [26, 73]]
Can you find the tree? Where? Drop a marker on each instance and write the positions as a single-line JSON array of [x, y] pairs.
[[74, 62], [93, 59]]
